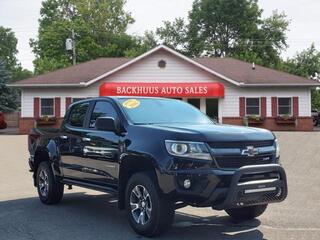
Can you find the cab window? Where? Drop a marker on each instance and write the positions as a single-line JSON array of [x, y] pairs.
[[102, 109], [78, 114]]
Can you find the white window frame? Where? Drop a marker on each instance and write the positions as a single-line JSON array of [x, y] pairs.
[[291, 107], [259, 98], [54, 108]]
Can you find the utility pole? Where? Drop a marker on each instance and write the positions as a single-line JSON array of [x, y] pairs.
[[74, 56], [71, 47]]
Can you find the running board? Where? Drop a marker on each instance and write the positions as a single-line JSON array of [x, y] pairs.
[[90, 186]]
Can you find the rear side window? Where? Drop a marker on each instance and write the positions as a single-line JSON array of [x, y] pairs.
[[78, 114], [102, 109]]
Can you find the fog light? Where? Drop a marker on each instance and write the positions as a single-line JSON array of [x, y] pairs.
[[187, 183]]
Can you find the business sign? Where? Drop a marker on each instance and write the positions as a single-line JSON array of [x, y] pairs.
[[180, 90]]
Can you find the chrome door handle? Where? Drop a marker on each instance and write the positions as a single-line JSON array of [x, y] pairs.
[[86, 139], [64, 137]]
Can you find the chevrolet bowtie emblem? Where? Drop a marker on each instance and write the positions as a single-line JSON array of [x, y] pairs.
[[250, 151]]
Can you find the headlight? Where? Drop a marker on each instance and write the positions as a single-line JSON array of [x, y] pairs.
[[277, 148], [197, 150]]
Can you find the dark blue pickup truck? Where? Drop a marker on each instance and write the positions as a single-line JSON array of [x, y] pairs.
[[157, 155]]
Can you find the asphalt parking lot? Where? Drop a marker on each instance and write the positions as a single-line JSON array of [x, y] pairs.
[[85, 214]]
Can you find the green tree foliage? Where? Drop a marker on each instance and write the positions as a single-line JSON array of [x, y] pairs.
[[100, 31], [8, 47], [306, 64], [175, 35], [8, 53], [8, 96], [228, 28], [143, 44]]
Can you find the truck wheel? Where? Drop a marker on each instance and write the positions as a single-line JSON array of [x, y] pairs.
[[149, 212], [246, 213], [49, 190]]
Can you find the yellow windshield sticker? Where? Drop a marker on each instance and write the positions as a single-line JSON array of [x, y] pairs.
[[131, 103]]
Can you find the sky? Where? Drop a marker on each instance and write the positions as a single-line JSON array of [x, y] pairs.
[[22, 17]]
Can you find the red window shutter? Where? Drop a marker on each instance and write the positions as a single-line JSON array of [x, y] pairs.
[[57, 107], [68, 102], [274, 106], [263, 107], [295, 106], [242, 106], [36, 107]]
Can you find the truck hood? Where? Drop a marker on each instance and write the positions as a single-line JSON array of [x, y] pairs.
[[215, 132]]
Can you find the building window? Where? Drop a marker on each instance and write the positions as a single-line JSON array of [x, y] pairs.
[[253, 106], [284, 106], [47, 107]]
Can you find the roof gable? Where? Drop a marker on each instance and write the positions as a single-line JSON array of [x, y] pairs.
[[153, 51]]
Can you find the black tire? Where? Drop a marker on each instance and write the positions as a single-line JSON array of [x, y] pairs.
[[246, 213], [50, 192], [161, 212]]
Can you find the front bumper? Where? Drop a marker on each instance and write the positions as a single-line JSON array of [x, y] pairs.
[[254, 192], [222, 189]]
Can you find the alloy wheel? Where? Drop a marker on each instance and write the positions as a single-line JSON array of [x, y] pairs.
[[43, 183], [141, 205]]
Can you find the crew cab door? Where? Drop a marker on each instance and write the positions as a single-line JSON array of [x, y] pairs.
[[70, 140], [101, 148]]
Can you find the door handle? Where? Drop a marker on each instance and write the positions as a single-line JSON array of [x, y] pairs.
[[64, 137], [86, 139]]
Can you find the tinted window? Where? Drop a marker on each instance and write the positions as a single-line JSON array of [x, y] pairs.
[[102, 109], [153, 111], [78, 114]]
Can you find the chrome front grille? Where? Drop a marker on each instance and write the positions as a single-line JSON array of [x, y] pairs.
[[232, 154], [241, 144]]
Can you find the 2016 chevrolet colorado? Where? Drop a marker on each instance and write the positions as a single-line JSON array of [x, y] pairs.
[[157, 155]]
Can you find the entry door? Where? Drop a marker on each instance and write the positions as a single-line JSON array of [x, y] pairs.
[[212, 108], [194, 102]]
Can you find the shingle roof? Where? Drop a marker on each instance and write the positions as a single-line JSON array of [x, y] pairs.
[[241, 71], [82, 72], [233, 70]]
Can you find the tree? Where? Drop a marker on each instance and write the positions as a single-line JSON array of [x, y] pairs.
[[8, 47], [8, 53], [143, 44], [100, 31], [228, 28], [8, 96], [306, 64], [265, 45], [175, 35]]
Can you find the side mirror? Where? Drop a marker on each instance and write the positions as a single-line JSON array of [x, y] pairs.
[[106, 124]]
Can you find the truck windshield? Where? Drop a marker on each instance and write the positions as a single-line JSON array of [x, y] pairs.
[[159, 111]]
